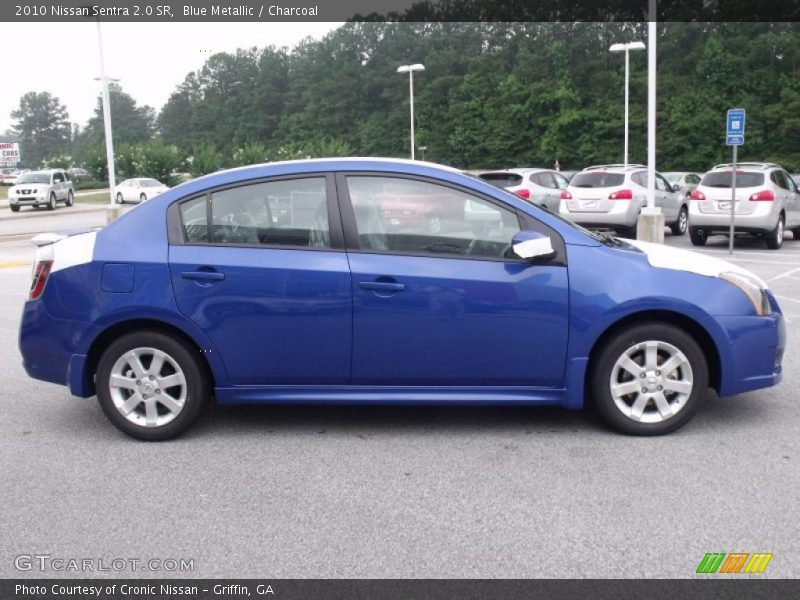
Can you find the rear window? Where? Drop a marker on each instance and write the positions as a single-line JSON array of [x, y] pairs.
[[502, 180], [723, 179], [597, 179]]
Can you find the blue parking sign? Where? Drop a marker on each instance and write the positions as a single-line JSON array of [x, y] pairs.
[[736, 122]]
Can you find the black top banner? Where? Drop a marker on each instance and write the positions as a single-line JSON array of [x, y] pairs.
[[396, 10]]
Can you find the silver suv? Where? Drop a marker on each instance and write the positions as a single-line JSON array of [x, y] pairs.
[[767, 203], [538, 186], [612, 196], [41, 188]]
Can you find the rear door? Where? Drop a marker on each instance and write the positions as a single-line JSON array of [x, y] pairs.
[[669, 201], [454, 308], [792, 200], [262, 270]]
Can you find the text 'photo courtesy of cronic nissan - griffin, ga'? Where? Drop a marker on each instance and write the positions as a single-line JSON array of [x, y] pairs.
[[358, 281]]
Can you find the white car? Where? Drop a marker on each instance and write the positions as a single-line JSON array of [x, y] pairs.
[[139, 190], [41, 188], [538, 186]]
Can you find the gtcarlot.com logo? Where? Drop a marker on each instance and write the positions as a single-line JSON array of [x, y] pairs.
[[47, 562], [733, 563]]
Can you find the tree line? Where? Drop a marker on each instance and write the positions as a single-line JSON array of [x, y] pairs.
[[492, 95]]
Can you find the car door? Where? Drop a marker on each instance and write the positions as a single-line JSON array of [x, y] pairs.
[[668, 200], [274, 296], [547, 190], [57, 185], [451, 308], [792, 200]]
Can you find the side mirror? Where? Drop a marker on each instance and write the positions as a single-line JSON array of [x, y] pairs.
[[533, 246], [676, 188]]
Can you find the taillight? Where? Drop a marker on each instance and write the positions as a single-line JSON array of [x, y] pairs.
[[41, 272], [565, 195], [696, 195], [523, 193], [621, 195], [763, 196]]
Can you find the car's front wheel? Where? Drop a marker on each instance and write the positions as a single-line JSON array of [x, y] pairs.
[[51, 204], [14, 207], [142, 197], [120, 200], [679, 227], [649, 379], [151, 385]]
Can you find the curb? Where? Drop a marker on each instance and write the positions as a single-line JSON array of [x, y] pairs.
[[50, 213]]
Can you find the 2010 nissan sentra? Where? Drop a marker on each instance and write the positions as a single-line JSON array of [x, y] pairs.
[[385, 281]]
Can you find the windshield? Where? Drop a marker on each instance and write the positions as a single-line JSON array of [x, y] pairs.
[[501, 179], [34, 178], [724, 179], [149, 183], [597, 179]]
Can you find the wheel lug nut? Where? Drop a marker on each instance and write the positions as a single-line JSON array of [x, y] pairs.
[[660, 388], [138, 382], [658, 372], [644, 390], [151, 378], [643, 375], [158, 391]]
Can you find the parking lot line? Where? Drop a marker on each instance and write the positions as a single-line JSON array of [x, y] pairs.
[[786, 274]]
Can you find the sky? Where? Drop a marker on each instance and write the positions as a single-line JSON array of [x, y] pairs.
[[149, 59]]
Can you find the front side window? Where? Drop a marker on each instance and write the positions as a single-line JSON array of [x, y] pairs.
[[57, 178], [416, 217], [275, 213]]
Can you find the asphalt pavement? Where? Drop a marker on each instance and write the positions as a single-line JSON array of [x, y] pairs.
[[298, 491]]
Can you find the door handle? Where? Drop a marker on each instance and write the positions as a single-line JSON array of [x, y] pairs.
[[382, 286], [203, 275]]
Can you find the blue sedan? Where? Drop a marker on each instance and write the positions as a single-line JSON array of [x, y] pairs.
[[385, 281]]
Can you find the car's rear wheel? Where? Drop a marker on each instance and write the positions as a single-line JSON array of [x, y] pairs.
[[629, 232], [796, 233], [649, 379], [679, 227], [142, 198], [151, 385], [698, 236], [120, 200], [70, 198], [774, 238], [51, 204], [14, 207]]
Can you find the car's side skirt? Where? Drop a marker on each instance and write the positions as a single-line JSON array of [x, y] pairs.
[[388, 395]]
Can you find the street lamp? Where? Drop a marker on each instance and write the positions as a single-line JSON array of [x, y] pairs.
[[410, 70], [113, 210], [626, 48]]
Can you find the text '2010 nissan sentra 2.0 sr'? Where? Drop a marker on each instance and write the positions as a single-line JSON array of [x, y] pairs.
[[385, 281]]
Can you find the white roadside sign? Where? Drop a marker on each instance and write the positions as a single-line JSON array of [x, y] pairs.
[[9, 154]]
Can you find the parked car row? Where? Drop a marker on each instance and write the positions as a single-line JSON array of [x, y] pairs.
[[9, 176], [612, 196]]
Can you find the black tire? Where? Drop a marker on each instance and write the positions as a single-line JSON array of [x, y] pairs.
[[52, 203], [120, 200], [774, 238], [15, 208], [796, 234], [698, 236], [70, 198], [629, 232], [599, 386], [680, 226], [198, 383], [142, 198]]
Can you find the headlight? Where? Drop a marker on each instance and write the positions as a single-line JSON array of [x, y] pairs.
[[753, 290]]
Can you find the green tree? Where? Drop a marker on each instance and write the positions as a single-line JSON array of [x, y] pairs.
[[42, 124]]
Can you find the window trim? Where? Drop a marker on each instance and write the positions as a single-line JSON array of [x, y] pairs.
[[524, 221], [175, 229]]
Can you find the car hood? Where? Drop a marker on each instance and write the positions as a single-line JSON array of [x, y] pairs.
[[666, 257]]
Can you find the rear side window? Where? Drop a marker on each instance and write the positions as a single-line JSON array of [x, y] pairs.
[[597, 179], [276, 213], [723, 179], [502, 179], [544, 179]]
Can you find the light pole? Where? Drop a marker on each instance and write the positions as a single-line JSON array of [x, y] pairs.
[[113, 209], [626, 48], [410, 70]]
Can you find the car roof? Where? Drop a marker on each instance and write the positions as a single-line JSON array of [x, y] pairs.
[[616, 168], [752, 165]]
